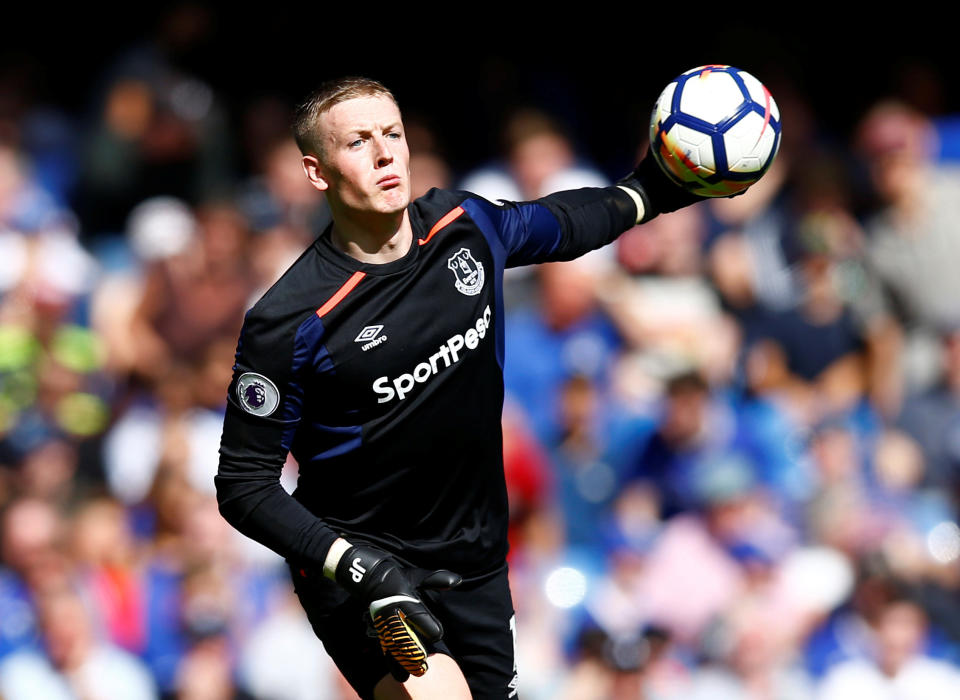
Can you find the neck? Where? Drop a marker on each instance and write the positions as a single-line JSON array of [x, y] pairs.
[[374, 238]]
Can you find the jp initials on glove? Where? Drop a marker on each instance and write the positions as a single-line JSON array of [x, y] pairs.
[[400, 618]]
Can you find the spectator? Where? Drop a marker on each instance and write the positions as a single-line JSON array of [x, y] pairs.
[[159, 129], [693, 427], [31, 534], [192, 300], [912, 236], [665, 307], [282, 658], [588, 463], [539, 160], [281, 196], [933, 419], [76, 663], [569, 334], [897, 666]]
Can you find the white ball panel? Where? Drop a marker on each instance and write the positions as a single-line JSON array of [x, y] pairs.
[[666, 99], [754, 87], [661, 110], [748, 144], [758, 93], [711, 96], [697, 148]]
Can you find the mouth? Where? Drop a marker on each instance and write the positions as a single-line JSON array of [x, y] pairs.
[[389, 181]]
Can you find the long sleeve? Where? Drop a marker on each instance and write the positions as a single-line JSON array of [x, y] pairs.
[[263, 412], [253, 501]]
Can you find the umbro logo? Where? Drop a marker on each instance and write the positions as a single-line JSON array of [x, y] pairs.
[[370, 337], [368, 334]]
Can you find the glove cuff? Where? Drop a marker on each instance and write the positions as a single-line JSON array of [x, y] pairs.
[[660, 194], [637, 201], [355, 569], [646, 209], [334, 555]]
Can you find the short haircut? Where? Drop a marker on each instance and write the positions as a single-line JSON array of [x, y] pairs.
[[527, 124], [321, 100], [687, 382]]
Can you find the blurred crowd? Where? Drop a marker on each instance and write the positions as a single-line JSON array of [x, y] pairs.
[[731, 439]]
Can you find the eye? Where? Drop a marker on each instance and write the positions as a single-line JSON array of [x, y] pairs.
[[356, 144], [393, 135]]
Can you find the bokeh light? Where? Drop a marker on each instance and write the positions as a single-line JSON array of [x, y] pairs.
[[565, 587], [943, 542]]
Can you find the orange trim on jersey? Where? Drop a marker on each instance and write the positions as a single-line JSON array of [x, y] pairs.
[[341, 293], [447, 218]]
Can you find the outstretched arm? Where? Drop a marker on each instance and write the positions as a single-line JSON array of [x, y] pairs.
[[565, 225]]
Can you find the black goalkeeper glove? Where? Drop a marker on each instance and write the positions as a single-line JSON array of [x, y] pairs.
[[399, 617], [658, 192]]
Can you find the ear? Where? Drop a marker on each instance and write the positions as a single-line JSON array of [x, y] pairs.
[[315, 173]]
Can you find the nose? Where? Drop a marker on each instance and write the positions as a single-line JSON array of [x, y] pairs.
[[383, 154]]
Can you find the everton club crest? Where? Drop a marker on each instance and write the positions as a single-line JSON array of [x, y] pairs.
[[468, 272], [257, 394]]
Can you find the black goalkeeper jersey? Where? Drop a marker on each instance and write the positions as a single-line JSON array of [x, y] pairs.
[[385, 382]]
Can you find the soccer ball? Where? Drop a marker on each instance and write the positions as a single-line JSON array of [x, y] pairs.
[[715, 130]]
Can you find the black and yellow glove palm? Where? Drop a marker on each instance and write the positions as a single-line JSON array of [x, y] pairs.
[[402, 622]]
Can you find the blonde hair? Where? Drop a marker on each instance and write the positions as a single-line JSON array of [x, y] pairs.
[[321, 100]]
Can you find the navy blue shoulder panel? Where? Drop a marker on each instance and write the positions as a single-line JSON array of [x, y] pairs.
[[527, 232]]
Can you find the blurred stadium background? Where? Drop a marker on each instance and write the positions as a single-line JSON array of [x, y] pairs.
[[732, 440]]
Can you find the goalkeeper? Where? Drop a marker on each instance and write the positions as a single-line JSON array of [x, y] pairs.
[[376, 360]]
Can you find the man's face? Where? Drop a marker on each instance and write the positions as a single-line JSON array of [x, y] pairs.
[[364, 164]]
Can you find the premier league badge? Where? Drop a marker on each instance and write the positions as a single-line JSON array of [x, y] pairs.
[[468, 272], [257, 394]]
